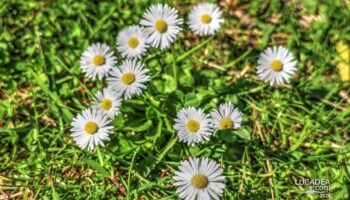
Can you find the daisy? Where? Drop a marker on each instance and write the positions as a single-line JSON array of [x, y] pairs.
[[162, 24], [97, 60], [199, 178], [131, 42], [129, 78], [90, 128], [192, 125], [276, 65], [108, 102], [205, 19], [226, 117]]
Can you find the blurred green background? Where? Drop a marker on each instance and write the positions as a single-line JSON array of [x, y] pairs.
[[290, 132]]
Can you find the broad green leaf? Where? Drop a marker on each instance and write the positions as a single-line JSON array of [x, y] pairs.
[[137, 126], [149, 163], [243, 133], [174, 103], [55, 195], [186, 79], [227, 136], [152, 113], [118, 121], [191, 99], [102, 172], [170, 83]]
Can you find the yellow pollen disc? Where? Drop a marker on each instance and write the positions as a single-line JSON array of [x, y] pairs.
[[106, 104], [161, 26], [91, 127], [128, 78], [99, 60], [199, 181], [206, 19], [133, 42], [226, 123], [193, 125], [277, 65]]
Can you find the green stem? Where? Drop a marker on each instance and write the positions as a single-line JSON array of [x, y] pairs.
[[129, 175], [237, 60], [196, 48]]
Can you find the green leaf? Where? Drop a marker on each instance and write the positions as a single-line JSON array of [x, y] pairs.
[[186, 79], [191, 99], [102, 172], [196, 48], [243, 133], [176, 97], [41, 82], [170, 83], [152, 113], [149, 163], [138, 127], [118, 121], [339, 191], [55, 195], [227, 135], [174, 102], [158, 85]]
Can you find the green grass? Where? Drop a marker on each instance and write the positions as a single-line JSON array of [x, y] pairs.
[[304, 125]]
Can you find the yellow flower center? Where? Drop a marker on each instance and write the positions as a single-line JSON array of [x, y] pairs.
[[128, 78], [226, 123], [193, 125], [277, 65], [133, 42], [99, 60], [199, 181], [206, 19], [106, 104], [161, 26], [91, 127]]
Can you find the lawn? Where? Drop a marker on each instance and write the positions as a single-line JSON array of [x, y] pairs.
[[290, 133]]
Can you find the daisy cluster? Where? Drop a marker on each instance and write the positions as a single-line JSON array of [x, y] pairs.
[[193, 126], [201, 178], [197, 178], [158, 28]]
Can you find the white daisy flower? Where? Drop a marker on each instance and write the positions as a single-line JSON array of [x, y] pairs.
[[199, 178], [90, 128], [192, 125], [226, 117], [97, 60], [276, 65], [162, 24], [205, 19], [131, 42], [108, 102], [129, 78]]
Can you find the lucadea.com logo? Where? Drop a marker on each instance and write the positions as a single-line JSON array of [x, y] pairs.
[[315, 186]]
